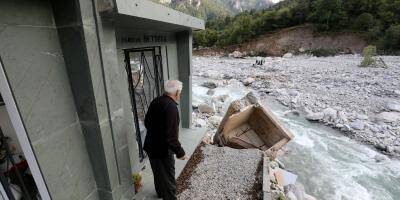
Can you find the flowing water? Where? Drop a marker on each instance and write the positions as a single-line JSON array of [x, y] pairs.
[[329, 165]]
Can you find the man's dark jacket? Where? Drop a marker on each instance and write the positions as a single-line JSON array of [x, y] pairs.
[[162, 124]]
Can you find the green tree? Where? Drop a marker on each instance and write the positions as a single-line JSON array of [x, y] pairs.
[[364, 22], [391, 39]]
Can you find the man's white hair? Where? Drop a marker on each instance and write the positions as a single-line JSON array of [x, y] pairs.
[[172, 86]]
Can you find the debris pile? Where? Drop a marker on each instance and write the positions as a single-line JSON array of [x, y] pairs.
[[224, 173]]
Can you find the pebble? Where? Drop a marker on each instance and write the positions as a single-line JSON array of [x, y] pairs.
[[224, 173]]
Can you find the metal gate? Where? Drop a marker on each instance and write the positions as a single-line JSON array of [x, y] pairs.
[[145, 78]]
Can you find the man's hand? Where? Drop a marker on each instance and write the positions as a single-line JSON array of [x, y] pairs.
[[183, 158]]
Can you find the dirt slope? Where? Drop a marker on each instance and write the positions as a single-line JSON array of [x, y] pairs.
[[292, 39]]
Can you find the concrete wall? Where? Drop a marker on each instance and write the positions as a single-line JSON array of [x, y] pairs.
[[35, 67]]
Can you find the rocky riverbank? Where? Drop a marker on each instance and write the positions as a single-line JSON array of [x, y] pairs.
[[364, 103]]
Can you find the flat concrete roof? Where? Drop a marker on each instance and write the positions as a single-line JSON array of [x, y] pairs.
[[144, 9]]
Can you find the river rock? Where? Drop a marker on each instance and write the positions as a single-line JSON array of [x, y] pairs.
[[201, 123], [315, 116], [296, 190], [362, 116], [236, 54], [248, 81], [341, 117], [357, 125], [211, 92], [293, 93], [215, 120], [330, 114], [291, 196], [288, 55], [380, 147], [209, 85], [227, 76], [380, 158], [204, 108], [393, 106], [388, 116]]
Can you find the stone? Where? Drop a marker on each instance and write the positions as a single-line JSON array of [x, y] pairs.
[[248, 81], [205, 108], [357, 125], [330, 114], [288, 55], [315, 116], [380, 147], [293, 191], [380, 158], [342, 117], [362, 116], [388, 116], [292, 112], [227, 76], [209, 85], [393, 106], [201, 123], [291, 196], [211, 92], [236, 54], [293, 93], [215, 120]]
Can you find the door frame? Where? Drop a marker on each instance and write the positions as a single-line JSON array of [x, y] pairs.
[[158, 64], [22, 136]]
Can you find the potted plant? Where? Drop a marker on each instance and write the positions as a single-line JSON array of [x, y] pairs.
[[137, 181]]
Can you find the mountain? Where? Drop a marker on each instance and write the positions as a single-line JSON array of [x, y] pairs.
[[211, 9]]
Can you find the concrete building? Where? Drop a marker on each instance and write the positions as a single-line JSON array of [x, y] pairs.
[[76, 78]]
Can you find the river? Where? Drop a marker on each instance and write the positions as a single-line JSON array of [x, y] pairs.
[[329, 165]]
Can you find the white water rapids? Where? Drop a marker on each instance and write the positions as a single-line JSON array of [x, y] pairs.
[[329, 165]]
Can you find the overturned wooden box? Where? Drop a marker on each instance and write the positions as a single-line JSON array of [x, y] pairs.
[[249, 125]]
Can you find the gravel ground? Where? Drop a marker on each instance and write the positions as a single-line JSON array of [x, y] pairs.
[[364, 103], [224, 173]]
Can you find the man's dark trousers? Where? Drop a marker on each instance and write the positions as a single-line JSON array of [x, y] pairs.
[[164, 176]]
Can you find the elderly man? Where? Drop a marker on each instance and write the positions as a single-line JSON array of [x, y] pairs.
[[161, 143]]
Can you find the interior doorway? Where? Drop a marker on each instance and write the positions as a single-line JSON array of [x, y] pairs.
[[146, 79]]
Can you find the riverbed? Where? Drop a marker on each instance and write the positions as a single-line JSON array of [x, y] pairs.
[[329, 164]]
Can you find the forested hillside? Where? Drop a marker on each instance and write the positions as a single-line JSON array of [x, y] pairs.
[[377, 20]]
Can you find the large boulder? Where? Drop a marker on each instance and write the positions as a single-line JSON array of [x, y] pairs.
[[209, 85], [248, 81], [393, 106], [236, 54], [315, 116], [388, 117], [330, 114], [288, 55], [357, 125], [205, 108]]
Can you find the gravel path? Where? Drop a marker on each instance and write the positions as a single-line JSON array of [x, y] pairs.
[[364, 103], [224, 173]]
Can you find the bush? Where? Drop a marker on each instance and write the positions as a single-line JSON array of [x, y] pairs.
[[368, 54]]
